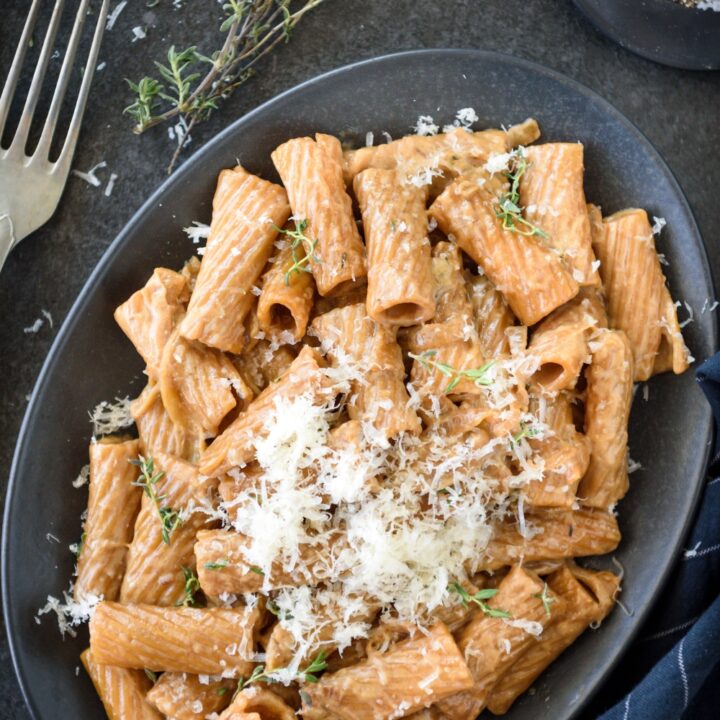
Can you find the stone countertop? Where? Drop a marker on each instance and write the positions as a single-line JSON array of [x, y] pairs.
[[677, 110]]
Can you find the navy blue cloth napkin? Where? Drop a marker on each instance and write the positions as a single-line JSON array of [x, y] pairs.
[[673, 670]]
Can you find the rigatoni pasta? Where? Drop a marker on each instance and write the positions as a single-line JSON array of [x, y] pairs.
[[607, 411], [638, 300], [400, 289], [183, 696], [113, 505], [532, 278], [286, 298], [123, 692], [246, 214], [311, 171], [374, 441], [208, 641], [551, 191], [416, 673], [161, 550]]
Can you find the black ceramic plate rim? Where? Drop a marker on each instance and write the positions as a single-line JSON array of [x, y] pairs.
[[74, 316], [653, 51]]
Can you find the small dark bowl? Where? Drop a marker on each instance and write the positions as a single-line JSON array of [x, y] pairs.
[[660, 30]]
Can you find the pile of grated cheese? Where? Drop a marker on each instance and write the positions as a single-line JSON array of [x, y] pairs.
[[412, 515]]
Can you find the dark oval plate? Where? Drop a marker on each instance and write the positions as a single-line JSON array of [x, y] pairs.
[[660, 30], [91, 360]]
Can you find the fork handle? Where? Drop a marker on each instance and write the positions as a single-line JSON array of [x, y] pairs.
[[7, 238]]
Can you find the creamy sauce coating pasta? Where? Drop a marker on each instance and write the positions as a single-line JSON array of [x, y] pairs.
[[384, 417]]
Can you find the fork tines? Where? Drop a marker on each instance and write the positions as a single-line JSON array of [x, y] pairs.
[[19, 141]]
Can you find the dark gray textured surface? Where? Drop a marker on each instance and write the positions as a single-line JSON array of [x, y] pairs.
[[677, 110]]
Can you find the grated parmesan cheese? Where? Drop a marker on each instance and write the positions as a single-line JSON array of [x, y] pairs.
[[425, 125], [499, 162], [633, 465], [110, 184], [197, 231], [70, 613], [402, 541], [658, 224], [108, 417], [139, 33], [113, 16], [691, 315], [34, 327], [464, 118], [90, 177], [531, 627], [425, 176]]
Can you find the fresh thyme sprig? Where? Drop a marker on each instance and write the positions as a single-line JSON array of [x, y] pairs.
[[478, 375], [526, 431], [192, 587], [308, 674], [299, 239], [479, 599], [547, 600], [192, 85], [217, 565], [170, 519], [508, 208]]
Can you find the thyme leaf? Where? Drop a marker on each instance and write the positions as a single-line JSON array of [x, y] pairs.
[[479, 599], [308, 674], [170, 519], [526, 431], [217, 565], [547, 600], [508, 208], [192, 587], [479, 376], [299, 239]]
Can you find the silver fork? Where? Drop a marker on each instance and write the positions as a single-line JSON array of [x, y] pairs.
[[31, 186]]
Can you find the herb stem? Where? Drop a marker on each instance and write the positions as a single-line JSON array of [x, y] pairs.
[[252, 29], [479, 599], [547, 600], [308, 674], [170, 519], [508, 208], [479, 376]]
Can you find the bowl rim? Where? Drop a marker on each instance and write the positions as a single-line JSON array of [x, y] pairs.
[[105, 263], [661, 50]]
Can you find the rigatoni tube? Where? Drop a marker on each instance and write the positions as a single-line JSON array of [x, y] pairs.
[[530, 275], [113, 505], [414, 674], [311, 171], [400, 288], [246, 214], [207, 641]]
